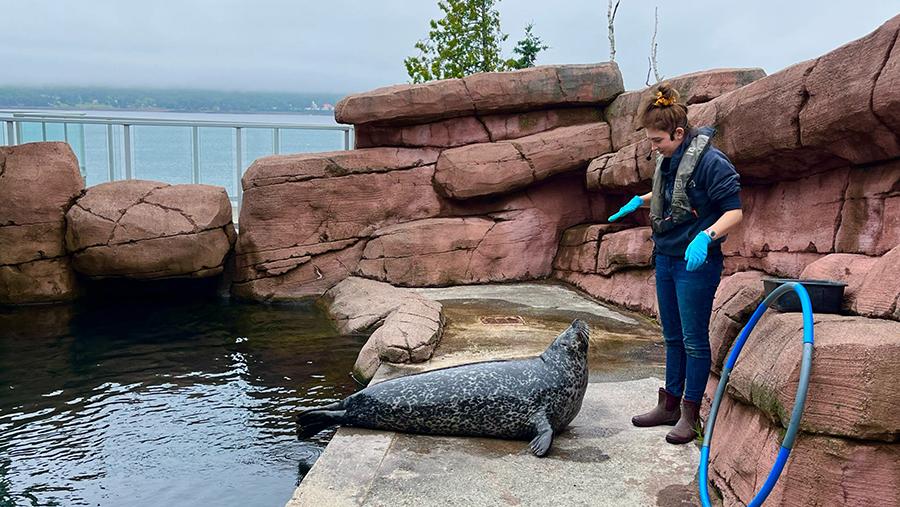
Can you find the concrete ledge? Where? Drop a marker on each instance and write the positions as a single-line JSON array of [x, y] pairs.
[[601, 460]]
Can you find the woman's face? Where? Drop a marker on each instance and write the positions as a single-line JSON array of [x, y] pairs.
[[661, 141]]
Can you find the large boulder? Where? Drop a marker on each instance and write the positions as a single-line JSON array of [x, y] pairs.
[[852, 387], [580, 245], [38, 183], [447, 251], [493, 168], [304, 217], [149, 230], [822, 470], [694, 88], [848, 268], [542, 87], [454, 132], [407, 326], [631, 248], [879, 293], [838, 116], [628, 170], [484, 246]]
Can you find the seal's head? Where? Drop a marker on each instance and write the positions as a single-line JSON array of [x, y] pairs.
[[573, 340]]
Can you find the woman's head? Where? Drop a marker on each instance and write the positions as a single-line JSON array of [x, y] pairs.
[[664, 118]]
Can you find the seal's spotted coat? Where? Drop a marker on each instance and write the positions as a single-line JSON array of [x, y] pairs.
[[522, 399]]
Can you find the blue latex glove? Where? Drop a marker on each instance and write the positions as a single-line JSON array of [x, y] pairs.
[[630, 207], [696, 251]]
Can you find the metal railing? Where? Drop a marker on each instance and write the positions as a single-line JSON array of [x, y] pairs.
[[19, 127]]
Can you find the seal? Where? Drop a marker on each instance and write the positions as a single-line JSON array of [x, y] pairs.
[[519, 399]]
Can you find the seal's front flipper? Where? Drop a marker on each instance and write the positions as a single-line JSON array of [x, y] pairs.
[[540, 444], [313, 421]]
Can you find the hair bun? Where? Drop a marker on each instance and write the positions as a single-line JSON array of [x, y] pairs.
[[666, 95]]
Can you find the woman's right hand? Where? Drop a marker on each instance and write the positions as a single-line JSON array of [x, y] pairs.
[[630, 207]]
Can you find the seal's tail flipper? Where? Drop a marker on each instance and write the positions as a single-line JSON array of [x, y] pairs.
[[313, 421]]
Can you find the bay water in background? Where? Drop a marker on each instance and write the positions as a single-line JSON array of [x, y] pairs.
[[163, 153]]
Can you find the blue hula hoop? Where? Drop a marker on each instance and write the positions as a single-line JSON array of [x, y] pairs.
[[799, 401]]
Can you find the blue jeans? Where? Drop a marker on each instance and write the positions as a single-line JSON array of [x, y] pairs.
[[685, 301]]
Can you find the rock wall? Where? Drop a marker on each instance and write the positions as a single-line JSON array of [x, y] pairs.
[[457, 181], [819, 160]]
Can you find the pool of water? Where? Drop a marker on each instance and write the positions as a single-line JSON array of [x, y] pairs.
[[145, 403]]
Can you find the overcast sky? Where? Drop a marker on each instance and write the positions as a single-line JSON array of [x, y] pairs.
[[355, 45]]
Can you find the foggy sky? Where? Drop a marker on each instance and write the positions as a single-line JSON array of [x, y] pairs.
[[354, 45]]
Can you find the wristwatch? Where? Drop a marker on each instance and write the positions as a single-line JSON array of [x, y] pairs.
[[711, 233]]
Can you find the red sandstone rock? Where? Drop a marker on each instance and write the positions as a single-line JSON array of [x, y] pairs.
[[885, 100], [437, 251], [822, 470], [623, 250], [852, 388], [38, 182], [447, 251], [408, 324], [579, 246], [409, 103], [534, 88], [148, 230], [595, 171], [779, 264], [277, 169], [628, 170], [736, 299], [848, 268], [694, 88], [772, 214], [838, 116], [492, 168], [280, 245], [455, 132], [879, 292], [291, 276], [298, 215], [870, 216], [443, 134], [514, 126]]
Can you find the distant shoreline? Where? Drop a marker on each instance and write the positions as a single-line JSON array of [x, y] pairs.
[[160, 110], [167, 100]]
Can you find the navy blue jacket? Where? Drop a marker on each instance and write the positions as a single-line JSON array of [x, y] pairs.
[[714, 188]]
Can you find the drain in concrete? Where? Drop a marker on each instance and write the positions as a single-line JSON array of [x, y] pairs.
[[507, 320]]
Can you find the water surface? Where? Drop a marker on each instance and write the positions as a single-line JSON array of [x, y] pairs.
[[147, 403]]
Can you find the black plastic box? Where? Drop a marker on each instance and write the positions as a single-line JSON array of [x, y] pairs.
[[826, 295]]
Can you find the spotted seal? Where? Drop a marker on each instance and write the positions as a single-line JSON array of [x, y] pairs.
[[519, 399]]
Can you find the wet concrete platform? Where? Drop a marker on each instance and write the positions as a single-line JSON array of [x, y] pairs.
[[601, 460]]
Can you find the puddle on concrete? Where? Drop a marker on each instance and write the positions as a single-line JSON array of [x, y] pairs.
[[493, 329]]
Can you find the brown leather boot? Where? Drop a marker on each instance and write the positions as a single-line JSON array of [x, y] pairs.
[[666, 412], [688, 425]]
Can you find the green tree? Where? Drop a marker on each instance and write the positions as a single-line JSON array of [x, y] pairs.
[[527, 49], [465, 41]]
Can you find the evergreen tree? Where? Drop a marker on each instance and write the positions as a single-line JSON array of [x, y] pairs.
[[527, 49], [465, 41]]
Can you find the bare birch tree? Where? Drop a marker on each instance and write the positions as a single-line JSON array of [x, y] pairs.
[[611, 19], [654, 66]]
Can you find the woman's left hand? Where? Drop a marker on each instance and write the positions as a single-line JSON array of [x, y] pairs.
[[695, 254]]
